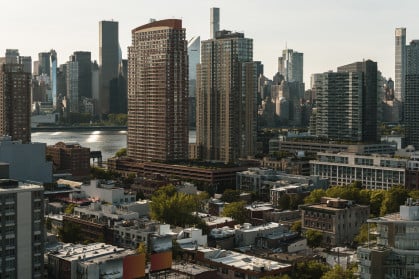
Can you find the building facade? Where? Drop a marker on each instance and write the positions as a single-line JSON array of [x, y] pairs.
[[226, 98], [22, 230], [411, 89], [158, 92], [400, 63], [374, 172], [108, 61], [290, 65], [70, 157], [338, 220], [369, 97], [395, 252], [15, 102]]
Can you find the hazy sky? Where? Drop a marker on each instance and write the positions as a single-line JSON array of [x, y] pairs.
[[330, 33]]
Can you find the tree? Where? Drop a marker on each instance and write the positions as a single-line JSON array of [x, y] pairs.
[[362, 235], [70, 233], [393, 198], [172, 207], [315, 196], [376, 199], [237, 211], [296, 227], [231, 195], [337, 272], [284, 202], [70, 208], [314, 238], [310, 270], [121, 152]]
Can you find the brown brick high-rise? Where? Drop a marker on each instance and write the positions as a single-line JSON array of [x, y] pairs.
[[158, 92], [15, 102]]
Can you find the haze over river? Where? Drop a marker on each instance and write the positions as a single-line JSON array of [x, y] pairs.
[[109, 142]]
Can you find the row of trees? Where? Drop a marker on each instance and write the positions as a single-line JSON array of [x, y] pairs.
[[381, 202], [175, 208]]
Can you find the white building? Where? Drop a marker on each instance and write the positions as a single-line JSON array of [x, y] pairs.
[[374, 172], [100, 212], [22, 230], [395, 254], [97, 260], [245, 235], [107, 192]]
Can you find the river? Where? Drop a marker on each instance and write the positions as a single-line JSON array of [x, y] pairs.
[[106, 141]]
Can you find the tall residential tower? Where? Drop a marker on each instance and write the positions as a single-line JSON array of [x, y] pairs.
[[108, 62], [226, 98], [411, 112], [158, 92]]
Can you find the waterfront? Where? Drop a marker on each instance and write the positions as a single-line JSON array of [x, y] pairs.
[[106, 141]]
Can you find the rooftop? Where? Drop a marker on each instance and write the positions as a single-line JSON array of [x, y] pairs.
[[92, 253], [241, 261]]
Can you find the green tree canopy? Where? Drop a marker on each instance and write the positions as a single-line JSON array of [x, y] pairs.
[[315, 196], [296, 227], [393, 198], [237, 211], [230, 195], [362, 235], [310, 270], [121, 152], [337, 272], [172, 207], [314, 238]]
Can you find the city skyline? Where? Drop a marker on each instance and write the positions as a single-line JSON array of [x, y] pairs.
[[315, 29]]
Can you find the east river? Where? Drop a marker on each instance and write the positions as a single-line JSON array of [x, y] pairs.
[[108, 142]]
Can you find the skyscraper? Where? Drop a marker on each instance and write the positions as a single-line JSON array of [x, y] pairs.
[[400, 64], [73, 85], [226, 98], [194, 55], [108, 61], [290, 65], [339, 106], [12, 56], [411, 105], [369, 97], [215, 22], [15, 102], [44, 60], [84, 61], [53, 77], [158, 92]]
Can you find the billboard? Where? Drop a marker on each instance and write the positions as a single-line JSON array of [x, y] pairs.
[[134, 266], [160, 243], [161, 261]]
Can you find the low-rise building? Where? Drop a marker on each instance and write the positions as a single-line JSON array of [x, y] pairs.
[[236, 265], [337, 219], [97, 260], [106, 191], [395, 252], [261, 180], [374, 172], [246, 235]]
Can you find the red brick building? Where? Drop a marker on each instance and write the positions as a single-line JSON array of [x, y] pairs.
[[69, 157]]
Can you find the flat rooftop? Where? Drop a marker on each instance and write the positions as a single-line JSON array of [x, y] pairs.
[[239, 260], [92, 253]]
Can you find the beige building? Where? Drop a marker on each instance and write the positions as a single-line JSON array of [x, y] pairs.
[[158, 92], [226, 107], [338, 220]]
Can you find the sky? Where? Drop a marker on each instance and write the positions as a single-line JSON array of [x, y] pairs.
[[330, 33]]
